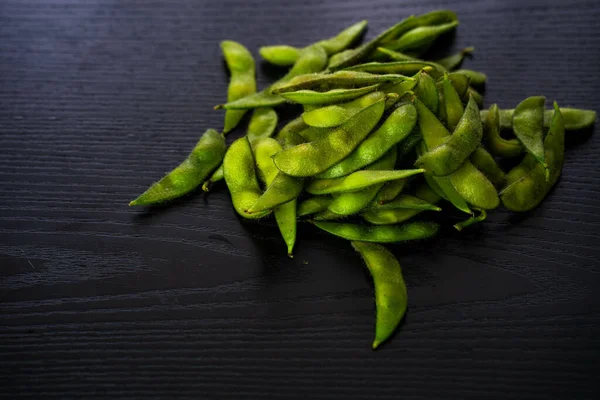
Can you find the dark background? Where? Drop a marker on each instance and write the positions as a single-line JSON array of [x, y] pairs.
[[97, 300]]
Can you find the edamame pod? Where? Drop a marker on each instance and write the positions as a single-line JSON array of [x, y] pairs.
[[449, 156], [312, 158], [476, 78], [242, 82], [472, 220], [204, 158], [419, 39], [526, 183], [334, 115], [281, 55], [427, 91], [312, 59], [455, 60], [483, 161], [215, 177], [338, 80], [390, 191], [293, 127], [349, 203], [451, 107], [405, 201], [262, 124], [240, 177], [528, 124], [323, 98], [406, 68], [391, 299], [574, 118], [314, 205], [493, 141], [380, 233], [358, 180], [396, 127]]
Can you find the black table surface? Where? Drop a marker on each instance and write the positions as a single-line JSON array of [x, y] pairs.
[[98, 300]]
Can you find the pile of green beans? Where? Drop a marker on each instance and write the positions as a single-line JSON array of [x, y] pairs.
[[385, 136]]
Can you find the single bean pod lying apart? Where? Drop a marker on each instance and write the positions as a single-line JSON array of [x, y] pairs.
[[384, 142]]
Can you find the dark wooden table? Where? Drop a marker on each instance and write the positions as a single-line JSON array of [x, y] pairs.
[[97, 300]]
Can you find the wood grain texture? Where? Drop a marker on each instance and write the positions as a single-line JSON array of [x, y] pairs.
[[97, 300]]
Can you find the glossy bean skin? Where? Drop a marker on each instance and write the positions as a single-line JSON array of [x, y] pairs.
[[311, 97], [358, 180], [419, 39], [314, 205], [399, 215], [262, 124], [391, 298], [338, 80], [574, 118], [476, 78], [455, 60], [349, 203], [240, 177], [528, 126], [198, 165], [467, 180], [355, 56], [337, 114], [380, 233], [484, 161], [285, 213], [242, 81], [427, 91], [281, 55], [449, 156], [312, 59], [395, 128], [309, 159], [494, 142], [527, 185]]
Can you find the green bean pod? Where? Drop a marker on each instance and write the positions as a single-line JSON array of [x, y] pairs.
[[454, 61], [574, 118], [394, 129], [390, 191], [348, 203], [476, 78], [338, 80], [405, 201], [312, 59], [242, 82], [281, 55], [496, 144], [312, 97], [483, 161], [419, 39], [293, 127], [285, 214], [215, 177], [204, 158], [427, 91], [262, 124], [240, 177], [314, 205], [399, 215], [358, 180], [449, 156], [528, 124], [527, 185], [407, 68], [380, 233], [312, 158], [337, 114], [451, 107], [391, 298]]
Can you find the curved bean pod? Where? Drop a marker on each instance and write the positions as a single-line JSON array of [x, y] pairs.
[[494, 142], [242, 82], [281, 55], [574, 118], [426, 90], [483, 161], [455, 60], [314, 205], [338, 80], [527, 185], [380, 233], [204, 158], [390, 191], [262, 124], [394, 129], [334, 115], [528, 124], [419, 39], [312, 158], [476, 78], [331, 96], [391, 298], [358, 180], [394, 67]]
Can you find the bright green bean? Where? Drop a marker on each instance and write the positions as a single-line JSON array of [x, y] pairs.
[[338, 80], [390, 191], [484, 161], [407, 68], [419, 39], [358, 180], [242, 82], [334, 115], [312, 158], [281, 55], [262, 124], [314, 205], [331, 96], [391, 298], [204, 158], [380, 233]]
